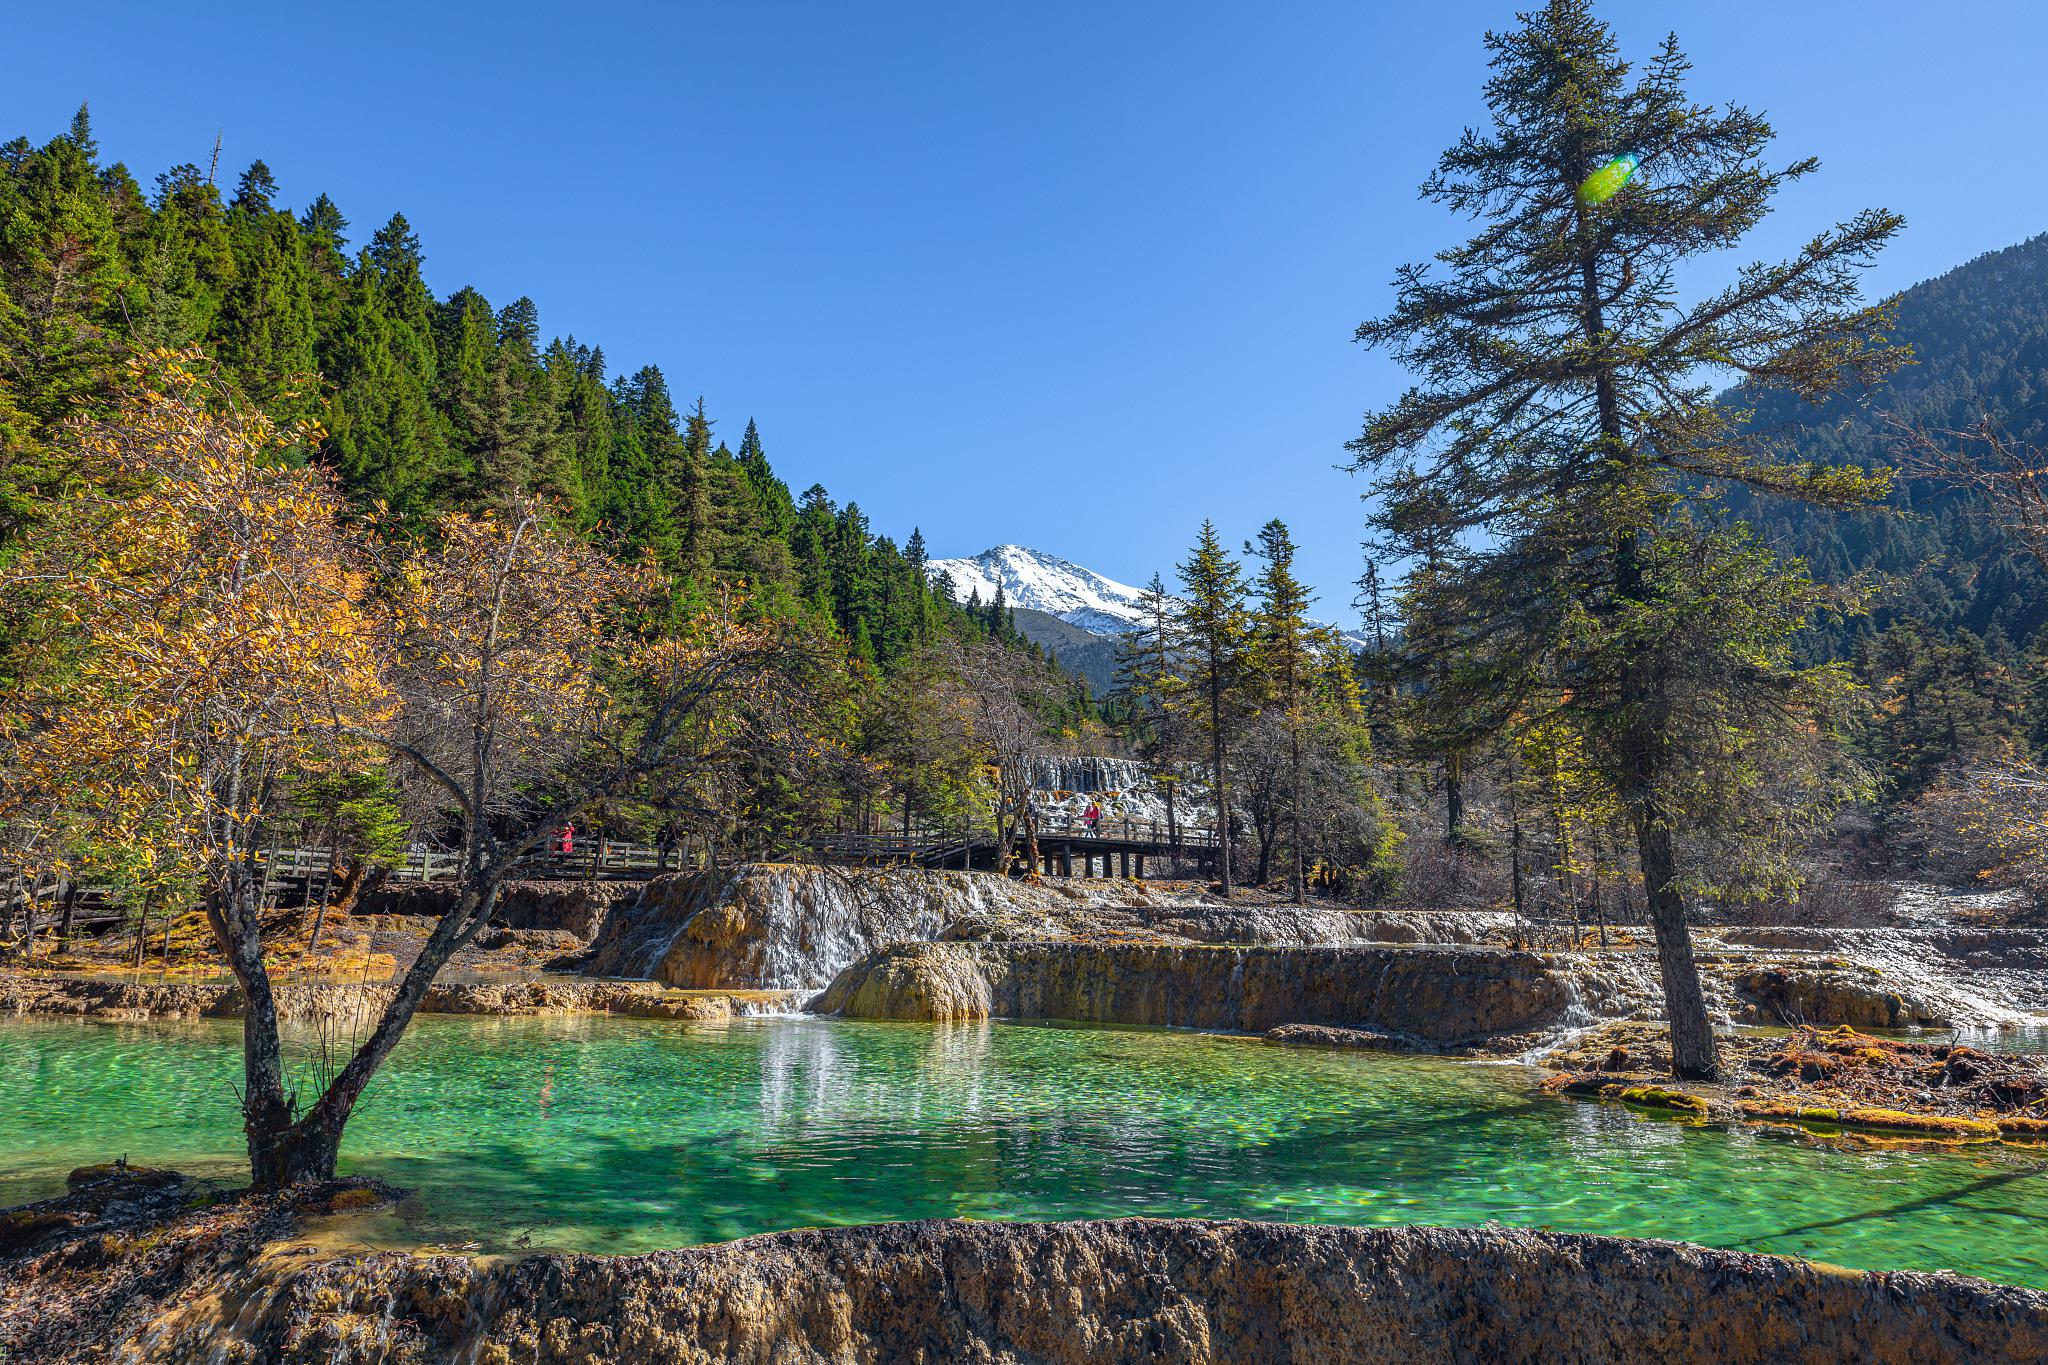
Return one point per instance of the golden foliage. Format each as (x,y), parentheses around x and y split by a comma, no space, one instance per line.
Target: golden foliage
(214,614)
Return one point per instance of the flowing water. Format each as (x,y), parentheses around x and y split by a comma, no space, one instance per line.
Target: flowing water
(625,1135)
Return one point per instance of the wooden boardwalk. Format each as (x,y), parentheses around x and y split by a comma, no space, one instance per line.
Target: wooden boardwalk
(1115,848)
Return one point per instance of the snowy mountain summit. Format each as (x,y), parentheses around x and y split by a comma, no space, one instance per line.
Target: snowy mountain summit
(1042,582)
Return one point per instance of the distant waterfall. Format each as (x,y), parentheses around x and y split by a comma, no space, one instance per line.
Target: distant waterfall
(1094,776)
(1063,786)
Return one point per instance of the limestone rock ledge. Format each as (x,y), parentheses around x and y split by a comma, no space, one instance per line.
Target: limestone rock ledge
(1442,995)
(232,1286)
(129,1001)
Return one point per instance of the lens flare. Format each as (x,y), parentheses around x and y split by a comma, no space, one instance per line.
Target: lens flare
(1606,182)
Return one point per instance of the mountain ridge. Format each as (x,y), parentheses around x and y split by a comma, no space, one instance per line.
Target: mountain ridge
(1042,582)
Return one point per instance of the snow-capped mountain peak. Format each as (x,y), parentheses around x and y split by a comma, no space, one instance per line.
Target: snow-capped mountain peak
(1042,582)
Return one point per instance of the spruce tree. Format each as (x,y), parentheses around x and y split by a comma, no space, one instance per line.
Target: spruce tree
(1211,630)
(266,332)
(1285,646)
(65,283)
(1566,415)
(80,134)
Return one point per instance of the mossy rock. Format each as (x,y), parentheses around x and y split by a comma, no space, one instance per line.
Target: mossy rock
(1641,1091)
(1658,1097)
(1935,1127)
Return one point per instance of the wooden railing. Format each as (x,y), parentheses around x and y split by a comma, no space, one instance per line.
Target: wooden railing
(601,857)
(585,858)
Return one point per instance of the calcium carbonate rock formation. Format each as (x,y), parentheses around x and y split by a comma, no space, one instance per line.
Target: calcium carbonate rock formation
(787,927)
(578,908)
(26,993)
(238,1284)
(1443,995)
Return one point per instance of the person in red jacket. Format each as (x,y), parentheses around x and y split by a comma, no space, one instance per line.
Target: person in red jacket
(567,843)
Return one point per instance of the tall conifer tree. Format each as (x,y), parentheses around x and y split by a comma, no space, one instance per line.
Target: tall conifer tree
(1567,415)
(1212,631)
(1284,649)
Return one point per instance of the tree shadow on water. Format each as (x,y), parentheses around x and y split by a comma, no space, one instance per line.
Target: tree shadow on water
(1948,1198)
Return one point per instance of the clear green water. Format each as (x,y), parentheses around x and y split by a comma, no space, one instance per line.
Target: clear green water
(623,1135)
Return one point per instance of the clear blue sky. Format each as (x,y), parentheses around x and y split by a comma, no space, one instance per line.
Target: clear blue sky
(1074,275)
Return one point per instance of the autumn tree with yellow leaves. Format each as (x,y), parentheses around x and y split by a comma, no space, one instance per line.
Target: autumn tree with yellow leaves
(222,627)
(212,626)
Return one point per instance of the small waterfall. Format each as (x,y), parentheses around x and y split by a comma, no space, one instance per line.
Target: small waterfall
(1578,1020)
(1969,978)
(1093,775)
(774,927)
(1064,785)
(813,924)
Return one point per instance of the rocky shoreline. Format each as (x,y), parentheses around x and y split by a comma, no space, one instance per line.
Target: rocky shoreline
(120,1271)
(53,993)
(1825,1084)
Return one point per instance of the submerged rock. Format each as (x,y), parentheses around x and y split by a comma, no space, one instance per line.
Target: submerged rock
(238,1283)
(1325,1035)
(1443,995)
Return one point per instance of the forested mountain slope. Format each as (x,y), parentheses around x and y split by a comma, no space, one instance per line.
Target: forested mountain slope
(1980,334)
(419,402)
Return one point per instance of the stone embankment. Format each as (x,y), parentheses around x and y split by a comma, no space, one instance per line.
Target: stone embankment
(246,1282)
(1449,996)
(103,998)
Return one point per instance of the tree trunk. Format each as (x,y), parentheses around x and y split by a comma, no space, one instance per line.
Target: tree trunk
(1515,862)
(1222,788)
(64,925)
(284,1152)
(1693,1056)
(1645,759)
(275,1160)
(1454,798)
(1294,819)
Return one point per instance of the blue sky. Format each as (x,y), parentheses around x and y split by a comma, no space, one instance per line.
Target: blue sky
(1070,275)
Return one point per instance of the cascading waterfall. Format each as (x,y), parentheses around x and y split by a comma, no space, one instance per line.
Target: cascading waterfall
(1973,978)
(1063,785)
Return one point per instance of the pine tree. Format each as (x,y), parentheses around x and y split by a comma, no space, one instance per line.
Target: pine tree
(1568,413)
(65,285)
(254,191)
(265,332)
(1283,658)
(772,503)
(1211,628)
(80,134)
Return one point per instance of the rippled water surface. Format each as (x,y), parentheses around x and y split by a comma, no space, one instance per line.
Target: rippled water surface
(626,1135)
